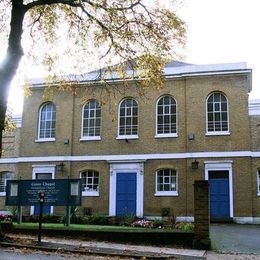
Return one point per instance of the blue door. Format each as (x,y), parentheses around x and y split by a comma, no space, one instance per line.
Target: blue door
(219,195)
(46,209)
(126,194)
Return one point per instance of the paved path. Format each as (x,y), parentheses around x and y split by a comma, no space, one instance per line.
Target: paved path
(235,238)
(115,249)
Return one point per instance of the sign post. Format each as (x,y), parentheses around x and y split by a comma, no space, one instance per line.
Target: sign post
(41,201)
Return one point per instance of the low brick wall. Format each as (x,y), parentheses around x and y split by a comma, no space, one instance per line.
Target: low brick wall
(143,238)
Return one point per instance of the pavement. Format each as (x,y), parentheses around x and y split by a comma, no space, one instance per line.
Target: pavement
(229,241)
(236,238)
(107,248)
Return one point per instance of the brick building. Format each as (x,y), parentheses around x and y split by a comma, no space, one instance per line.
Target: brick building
(141,155)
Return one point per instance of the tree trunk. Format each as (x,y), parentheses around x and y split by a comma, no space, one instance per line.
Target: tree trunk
(10,64)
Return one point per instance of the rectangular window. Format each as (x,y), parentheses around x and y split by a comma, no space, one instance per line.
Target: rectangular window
(166,183)
(4,177)
(90,183)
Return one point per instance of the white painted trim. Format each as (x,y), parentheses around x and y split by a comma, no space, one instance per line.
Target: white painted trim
(127,167)
(258,182)
(166,136)
(247,220)
(166,194)
(42,169)
(222,166)
(131,157)
(123,137)
(90,193)
(217,133)
(2,194)
(90,138)
(184,219)
(43,140)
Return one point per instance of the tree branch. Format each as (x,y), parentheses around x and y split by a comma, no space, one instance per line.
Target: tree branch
(115,8)
(73,3)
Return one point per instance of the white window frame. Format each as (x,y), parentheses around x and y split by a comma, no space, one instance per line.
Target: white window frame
(91,193)
(165,135)
(132,136)
(211,133)
(49,168)
(166,193)
(258,182)
(45,139)
(5,180)
(88,137)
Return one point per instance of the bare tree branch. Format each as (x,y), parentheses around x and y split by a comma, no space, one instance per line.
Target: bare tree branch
(73,3)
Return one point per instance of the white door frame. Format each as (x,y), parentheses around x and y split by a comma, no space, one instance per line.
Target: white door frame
(225,165)
(122,167)
(50,168)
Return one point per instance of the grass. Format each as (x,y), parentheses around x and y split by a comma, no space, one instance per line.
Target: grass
(75,227)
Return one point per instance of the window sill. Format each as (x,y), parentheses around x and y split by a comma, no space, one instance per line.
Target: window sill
(45,140)
(2,194)
(90,138)
(258,194)
(217,133)
(166,136)
(166,193)
(123,137)
(90,194)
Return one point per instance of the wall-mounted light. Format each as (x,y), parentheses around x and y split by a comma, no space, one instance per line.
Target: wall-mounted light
(126,140)
(195,165)
(60,167)
(66,141)
(191,136)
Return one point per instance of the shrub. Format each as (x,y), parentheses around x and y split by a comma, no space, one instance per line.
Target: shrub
(6,218)
(185,226)
(158,223)
(142,223)
(98,219)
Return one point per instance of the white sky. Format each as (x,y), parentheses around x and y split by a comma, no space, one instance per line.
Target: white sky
(219,31)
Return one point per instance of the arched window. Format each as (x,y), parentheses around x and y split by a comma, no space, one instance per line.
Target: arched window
(166,117)
(166,182)
(47,122)
(128,119)
(4,177)
(90,182)
(217,114)
(91,121)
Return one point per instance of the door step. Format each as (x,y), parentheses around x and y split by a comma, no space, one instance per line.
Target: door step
(221,220)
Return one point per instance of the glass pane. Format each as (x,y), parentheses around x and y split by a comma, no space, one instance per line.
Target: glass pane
(173,109)
(217,107)
(210,107)
(224,116)
(166,100)
(210,99)
(160,109)
(166,187)
(216,97)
